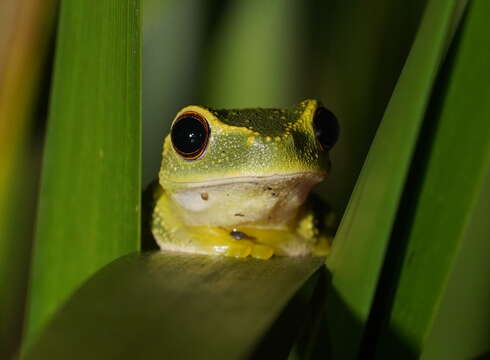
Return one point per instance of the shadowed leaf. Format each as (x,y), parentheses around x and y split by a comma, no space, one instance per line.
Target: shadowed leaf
(170,305)
(359,248)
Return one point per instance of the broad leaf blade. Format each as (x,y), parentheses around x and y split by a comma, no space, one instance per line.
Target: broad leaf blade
(171,305)
(89,203)
(359,248)
(440,305)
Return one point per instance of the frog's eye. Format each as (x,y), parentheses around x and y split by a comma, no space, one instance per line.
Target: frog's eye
(326,128)
(190,135)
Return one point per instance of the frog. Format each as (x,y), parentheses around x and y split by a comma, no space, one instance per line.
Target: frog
(237,182)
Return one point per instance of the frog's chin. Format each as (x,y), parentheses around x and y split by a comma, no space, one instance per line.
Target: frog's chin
(263,201)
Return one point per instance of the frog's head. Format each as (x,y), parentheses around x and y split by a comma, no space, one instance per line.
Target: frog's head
(280,149)
(208,145)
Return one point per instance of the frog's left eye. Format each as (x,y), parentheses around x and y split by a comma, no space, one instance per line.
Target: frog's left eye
(190,135)
(326,128)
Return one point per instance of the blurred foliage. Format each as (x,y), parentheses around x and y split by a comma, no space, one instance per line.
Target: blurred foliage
(89,200)
(25,30)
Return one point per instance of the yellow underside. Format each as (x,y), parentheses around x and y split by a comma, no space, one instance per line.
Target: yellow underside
(171,233)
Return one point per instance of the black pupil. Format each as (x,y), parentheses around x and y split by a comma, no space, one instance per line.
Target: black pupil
(326,128)
(189,135)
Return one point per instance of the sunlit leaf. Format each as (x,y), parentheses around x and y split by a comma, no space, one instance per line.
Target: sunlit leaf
(89,203)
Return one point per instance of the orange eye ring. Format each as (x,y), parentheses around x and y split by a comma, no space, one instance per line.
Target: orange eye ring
(190,135)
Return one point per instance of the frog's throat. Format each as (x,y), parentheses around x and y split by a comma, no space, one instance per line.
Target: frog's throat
(262,201)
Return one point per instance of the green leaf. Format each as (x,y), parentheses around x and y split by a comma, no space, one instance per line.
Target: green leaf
(89,203)
(171,305)
(440,306)
(25,29)
(359,248)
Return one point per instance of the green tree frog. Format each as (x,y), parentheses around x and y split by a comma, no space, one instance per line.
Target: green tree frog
(236,182)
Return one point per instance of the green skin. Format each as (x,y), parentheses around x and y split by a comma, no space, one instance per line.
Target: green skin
(245,195)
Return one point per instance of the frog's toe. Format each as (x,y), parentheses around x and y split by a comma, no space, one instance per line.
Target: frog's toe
(322,248)
(263,252)
(242,249)
(237,250)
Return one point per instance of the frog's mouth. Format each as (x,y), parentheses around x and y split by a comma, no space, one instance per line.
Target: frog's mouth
(306,176)
(270,200)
